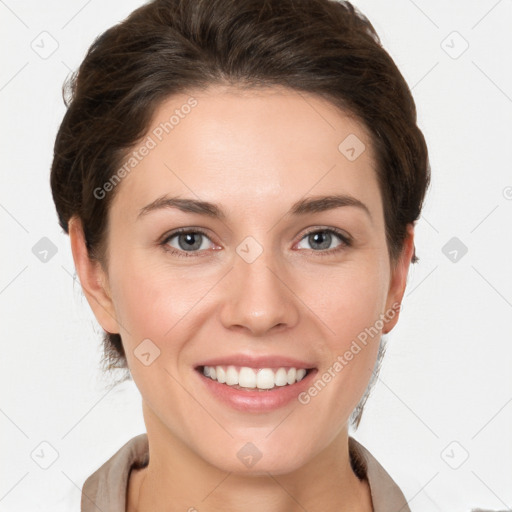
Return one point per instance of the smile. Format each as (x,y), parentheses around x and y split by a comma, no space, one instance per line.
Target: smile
(245,377)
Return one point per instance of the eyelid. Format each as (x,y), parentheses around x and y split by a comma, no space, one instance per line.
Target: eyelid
(178,231)
(342,234)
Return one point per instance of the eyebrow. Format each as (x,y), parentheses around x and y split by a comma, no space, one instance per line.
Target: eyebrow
(313,204)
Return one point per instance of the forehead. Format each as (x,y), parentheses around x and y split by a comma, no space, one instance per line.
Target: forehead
(245,148)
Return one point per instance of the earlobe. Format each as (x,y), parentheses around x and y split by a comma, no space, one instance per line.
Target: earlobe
(93,279)
(398,281)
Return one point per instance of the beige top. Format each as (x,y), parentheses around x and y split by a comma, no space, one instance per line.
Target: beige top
(106,488)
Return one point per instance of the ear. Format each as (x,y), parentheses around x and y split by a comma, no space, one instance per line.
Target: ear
(93,279)
(398,281)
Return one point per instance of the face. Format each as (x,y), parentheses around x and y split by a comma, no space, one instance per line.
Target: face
(260,281)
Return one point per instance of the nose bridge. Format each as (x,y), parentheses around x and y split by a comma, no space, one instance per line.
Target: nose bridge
(257,298)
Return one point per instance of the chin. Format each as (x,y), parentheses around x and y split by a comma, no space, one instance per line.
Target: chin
(254,459)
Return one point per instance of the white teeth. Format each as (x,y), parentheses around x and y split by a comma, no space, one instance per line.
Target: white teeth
(265,379)
(281,377)
(245,377)
(292,374)
(221,374)
(231,376)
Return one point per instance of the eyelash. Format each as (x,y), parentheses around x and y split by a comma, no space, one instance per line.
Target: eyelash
(345,241)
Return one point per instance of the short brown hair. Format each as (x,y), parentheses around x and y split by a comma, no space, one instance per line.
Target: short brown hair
(165,47)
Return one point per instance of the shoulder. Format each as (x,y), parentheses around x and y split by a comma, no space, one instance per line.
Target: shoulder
(386,495)
(106,488)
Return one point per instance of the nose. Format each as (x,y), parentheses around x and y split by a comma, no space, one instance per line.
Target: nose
(258,297)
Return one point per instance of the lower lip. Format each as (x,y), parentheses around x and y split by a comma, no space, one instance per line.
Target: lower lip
(254,400)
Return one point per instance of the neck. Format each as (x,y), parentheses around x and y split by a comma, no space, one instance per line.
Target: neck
(176,475)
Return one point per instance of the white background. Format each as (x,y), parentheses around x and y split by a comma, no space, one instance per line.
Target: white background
(445,390)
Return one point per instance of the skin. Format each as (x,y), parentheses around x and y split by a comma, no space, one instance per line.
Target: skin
(253,153)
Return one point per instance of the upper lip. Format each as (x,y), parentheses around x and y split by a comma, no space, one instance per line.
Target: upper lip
(267,361)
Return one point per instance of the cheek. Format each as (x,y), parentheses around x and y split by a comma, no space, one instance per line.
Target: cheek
(351,309)
(349,299)
(150,299)
(154,306)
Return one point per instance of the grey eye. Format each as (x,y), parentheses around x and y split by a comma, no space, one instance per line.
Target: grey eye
(321,240)
(190,241)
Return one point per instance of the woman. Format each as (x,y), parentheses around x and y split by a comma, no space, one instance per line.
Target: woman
(240,181)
